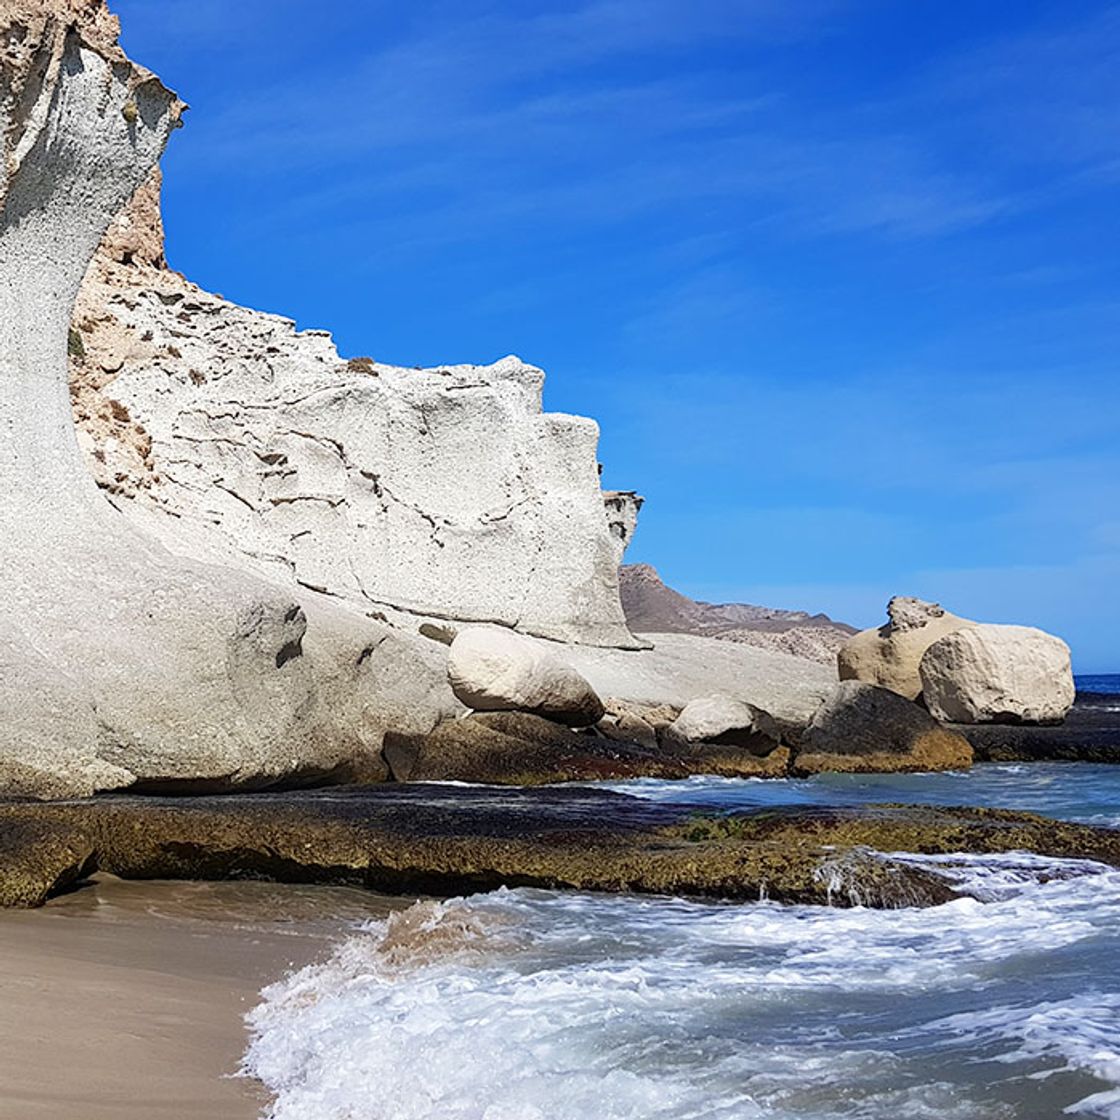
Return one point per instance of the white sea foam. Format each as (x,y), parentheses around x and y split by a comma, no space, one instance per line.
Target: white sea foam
(531,1005)
(1082,1034)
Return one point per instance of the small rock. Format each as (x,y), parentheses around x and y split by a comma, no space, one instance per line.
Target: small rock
(494,670)
(998,674)
(628,722)
(865,729)
(444,634)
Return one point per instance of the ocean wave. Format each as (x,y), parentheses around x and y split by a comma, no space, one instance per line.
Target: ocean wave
(534,1005)
(1081,1034)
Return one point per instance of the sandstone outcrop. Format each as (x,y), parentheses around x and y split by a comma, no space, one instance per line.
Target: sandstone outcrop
(862,728)
(623,507)
(123,662)
(890,656)
(998,674)
(494,670)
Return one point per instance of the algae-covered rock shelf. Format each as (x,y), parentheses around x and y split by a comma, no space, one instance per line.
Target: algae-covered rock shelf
(443,840)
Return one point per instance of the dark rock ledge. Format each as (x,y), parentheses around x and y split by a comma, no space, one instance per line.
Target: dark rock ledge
(445,840)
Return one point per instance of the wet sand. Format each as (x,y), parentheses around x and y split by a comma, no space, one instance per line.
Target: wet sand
(126,1000)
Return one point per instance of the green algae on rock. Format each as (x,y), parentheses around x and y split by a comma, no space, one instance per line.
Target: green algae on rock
(447,840)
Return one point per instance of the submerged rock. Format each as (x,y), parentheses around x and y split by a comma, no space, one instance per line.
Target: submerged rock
(890,655)
(455,840)
(998,674)
(865,729)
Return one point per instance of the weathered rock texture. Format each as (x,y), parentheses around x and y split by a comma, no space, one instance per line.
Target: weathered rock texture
(623,507)
(890,655)
(120,661)
(651,606)
(863,728)
(494,670)
(515,748)
(627,722)
(446,841)
(683,667)
(998,674)
(443,492)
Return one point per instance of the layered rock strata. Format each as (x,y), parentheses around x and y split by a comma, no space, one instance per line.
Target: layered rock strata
(443,492)
(122,662)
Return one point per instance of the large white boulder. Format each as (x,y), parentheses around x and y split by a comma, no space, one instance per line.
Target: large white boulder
(998,674)
(494,670)
(889,656)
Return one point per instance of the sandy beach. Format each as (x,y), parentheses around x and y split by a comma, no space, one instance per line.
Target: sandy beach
(126,1000)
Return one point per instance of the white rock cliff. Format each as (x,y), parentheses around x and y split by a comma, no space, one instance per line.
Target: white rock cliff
(445,493)
(122,662)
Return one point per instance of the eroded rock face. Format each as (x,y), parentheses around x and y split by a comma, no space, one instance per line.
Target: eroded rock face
(494,670)
(862,728)
(890,655)
(122,661)
(444,492)
(998,674)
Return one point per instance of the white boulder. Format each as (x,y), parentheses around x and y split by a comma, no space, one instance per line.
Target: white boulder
(718,719)
(998,674)
(494,670)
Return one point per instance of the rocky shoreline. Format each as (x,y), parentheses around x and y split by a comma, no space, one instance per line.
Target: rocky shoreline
(447,840)
(237,562)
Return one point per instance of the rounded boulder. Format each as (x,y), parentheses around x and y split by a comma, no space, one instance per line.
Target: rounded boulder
(493,670)
(998,674)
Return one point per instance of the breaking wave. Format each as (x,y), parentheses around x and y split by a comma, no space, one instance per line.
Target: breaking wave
(534,1005)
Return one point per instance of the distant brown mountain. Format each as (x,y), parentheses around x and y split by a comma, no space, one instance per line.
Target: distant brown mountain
(652,607)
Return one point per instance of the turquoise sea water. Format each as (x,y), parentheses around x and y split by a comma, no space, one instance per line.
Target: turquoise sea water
(539,1005)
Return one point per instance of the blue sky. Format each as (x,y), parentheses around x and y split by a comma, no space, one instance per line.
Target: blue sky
(839,280)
